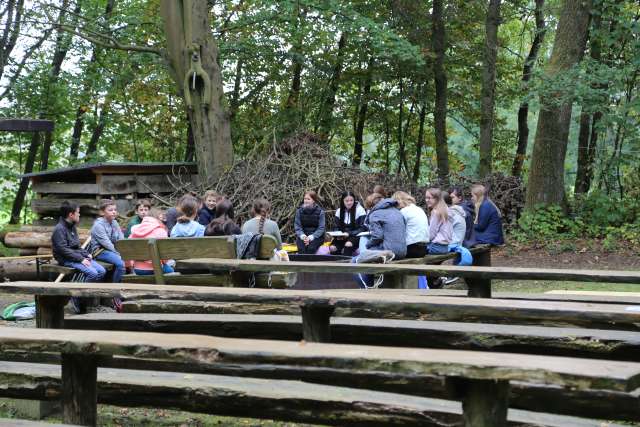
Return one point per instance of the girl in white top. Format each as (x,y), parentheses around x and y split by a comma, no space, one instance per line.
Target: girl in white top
(417,224)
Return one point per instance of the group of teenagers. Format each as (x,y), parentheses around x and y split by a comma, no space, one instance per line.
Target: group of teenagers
(395,224)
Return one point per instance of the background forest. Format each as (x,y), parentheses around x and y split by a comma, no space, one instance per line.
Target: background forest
(429,90)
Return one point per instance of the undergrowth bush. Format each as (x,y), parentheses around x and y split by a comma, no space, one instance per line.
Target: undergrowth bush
(616,221)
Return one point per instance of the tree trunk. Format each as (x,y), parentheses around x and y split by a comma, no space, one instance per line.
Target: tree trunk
(546,177)
(18,202)
(11,31)
(487,96)
(400,118)
(362,115)
(440,78)
(193,51)
(325,120)
(190,151)
(523,111)
(419,143)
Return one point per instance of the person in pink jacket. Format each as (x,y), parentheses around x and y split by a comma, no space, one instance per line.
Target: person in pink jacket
(150,227)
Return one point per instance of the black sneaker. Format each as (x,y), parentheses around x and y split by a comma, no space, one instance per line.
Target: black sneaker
(436,284)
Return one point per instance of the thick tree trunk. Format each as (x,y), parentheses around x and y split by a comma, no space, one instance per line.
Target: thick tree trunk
(362,115)
(487,96)
(440,77)
(11,31)
(523,111)
(400,138)
(18,202)
(190,150)
(326,110)
(546,176)
(419,143)
(194,49)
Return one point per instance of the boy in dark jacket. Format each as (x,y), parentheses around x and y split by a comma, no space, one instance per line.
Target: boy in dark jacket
(66,244)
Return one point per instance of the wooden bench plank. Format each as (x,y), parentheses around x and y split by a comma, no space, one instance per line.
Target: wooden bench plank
(560,371)
(476,272)
(59,269)
(365,304)
(573,342)
(204,307)
(246,397)
(12,422)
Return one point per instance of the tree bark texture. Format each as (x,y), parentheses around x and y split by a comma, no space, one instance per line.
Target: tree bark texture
(523,111)
(440,78)
(487,96)
(18,202)
(11,31)
(362,116)
(419,143)
(193,52)
(546,176)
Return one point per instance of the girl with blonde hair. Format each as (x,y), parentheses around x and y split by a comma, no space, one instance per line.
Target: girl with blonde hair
(440,226)
(487,226)
(417,224)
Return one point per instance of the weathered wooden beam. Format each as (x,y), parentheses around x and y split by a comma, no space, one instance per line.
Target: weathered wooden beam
(316,323)
(571,342)
(480,287)
(498,273)
(484,402)
(564,372)
(50,311)
(26,125)
(79,389)
(64,188)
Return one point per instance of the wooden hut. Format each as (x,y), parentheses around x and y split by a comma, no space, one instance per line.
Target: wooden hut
(87,184)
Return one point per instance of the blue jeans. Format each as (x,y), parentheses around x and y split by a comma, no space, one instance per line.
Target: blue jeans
(94,273)
(165,269)
(437,248)
(118,264)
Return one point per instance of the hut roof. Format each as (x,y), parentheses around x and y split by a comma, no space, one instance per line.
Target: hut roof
(115,168)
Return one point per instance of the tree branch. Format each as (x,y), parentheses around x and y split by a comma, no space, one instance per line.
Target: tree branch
(110,42)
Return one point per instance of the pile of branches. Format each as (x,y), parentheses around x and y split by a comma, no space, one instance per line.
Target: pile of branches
(282,172)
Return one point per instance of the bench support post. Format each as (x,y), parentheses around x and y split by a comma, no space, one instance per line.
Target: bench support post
(50,311)
(484,402)
(316,323)
(79,389)
(480,288)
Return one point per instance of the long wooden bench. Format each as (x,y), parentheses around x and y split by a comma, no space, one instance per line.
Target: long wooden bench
(479,379)
(317,307)
(69,271)
(573,342)
(221,247)
(283,400)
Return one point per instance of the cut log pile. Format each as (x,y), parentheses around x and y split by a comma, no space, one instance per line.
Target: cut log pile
(35,240)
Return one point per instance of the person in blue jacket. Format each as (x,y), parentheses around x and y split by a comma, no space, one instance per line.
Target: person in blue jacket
(487,226)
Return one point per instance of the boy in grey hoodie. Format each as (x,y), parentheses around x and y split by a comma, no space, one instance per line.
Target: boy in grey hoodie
(104,234)
(388,228)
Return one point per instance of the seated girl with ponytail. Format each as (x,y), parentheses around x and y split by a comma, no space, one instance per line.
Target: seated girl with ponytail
(187,226)
(260,223)
(349,219)
(223,224)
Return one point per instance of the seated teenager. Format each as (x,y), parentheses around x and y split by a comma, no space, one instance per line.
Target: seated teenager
(440,226)
(150,227)
(458,217)
(207,212)
(487,226)
(104,234)
(171,215)
(66,247)
(223,224)
(260,223)
(309,224)
(186,225)
(349,219)
(387,227)
(417,224)
(142,207)
(457,199)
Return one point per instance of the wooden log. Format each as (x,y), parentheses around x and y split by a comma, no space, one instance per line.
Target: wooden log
(50,311)
(570,342)
(37,228)
(32,239)
(315,323)
(290,401)
(44,251)
(563,372)
(484,402)
(27,251)
(204,307)
(498,273)
(79,389)
(143,184)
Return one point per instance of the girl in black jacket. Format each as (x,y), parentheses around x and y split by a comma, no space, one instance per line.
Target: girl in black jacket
(349,219)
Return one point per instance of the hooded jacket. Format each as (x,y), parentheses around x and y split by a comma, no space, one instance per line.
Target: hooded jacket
(187,229)
(388,228)
(206,215)
(470,210)
(65,243)
(104,235)
(488,227)
(149,228)
(458,217)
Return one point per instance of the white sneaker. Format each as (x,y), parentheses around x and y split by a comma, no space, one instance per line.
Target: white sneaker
(450,280)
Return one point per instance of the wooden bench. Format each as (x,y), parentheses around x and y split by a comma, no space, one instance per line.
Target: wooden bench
(69,271)
(221,247)
(572,342)
(282,400)
(480,380)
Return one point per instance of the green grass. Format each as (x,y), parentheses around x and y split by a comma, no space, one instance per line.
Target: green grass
(538,286)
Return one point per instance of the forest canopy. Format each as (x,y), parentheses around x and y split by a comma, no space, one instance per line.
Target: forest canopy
(545,90)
